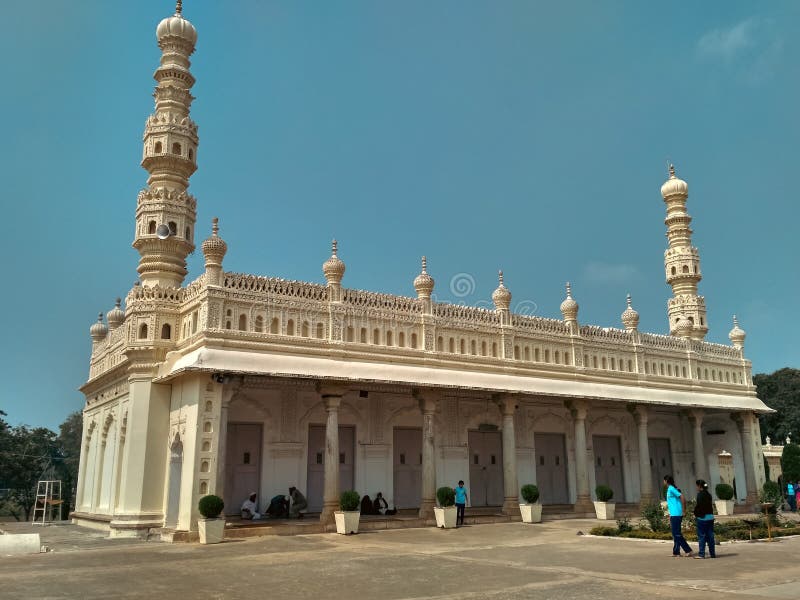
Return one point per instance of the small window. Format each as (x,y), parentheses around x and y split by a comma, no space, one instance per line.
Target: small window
(461,346)
(414,340)
(203,488)
(389,338)
(275,326)
(613,461)
(191,154)
(402,459)
(351,334)
(259,326)
(166,331)
(341,458)
(176,148)
(483,348)
(305,330)
(451,346)
(173,228)
(494,349)
(547,356)
(376,336)
(605,363)
(290,327)
(320,330)
(527,353)
(599,462)
(494,459)
(541,461)
(558,460)
(242,322)
(557,358)
(159,148)
(401,339)
(685,268)
(473,348)
(143,331)
(188,234)
(475,459)
(319,458)
(151,227)
(674,270)
(363,335)
(440,344)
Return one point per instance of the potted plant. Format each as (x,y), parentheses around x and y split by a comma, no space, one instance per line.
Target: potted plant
(446,511)
(347,519)
(531,510)
(211,527)
(602,507)
(724,502)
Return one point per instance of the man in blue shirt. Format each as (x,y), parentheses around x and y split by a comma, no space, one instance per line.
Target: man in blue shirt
(790,497)
(461,502)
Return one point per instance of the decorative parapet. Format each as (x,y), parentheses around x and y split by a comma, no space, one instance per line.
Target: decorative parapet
(275,286)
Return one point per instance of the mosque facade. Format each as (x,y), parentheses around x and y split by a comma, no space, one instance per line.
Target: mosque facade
(232,382)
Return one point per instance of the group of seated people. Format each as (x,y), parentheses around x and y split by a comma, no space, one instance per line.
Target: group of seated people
(280,506)
(377,507)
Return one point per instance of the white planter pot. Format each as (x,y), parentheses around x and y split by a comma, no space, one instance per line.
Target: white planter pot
(531,513)
(347,521)
(445,517)
(724,507)
(212,531)
(604,510)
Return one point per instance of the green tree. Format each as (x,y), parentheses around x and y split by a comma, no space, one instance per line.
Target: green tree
(781,391)
(30,457)
(69,450)
(790,462)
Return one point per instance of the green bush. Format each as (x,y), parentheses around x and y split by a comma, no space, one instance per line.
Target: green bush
(624,525)
(655,517)
(771,493)
(645,534)
(210,506)
(724,491)
(603,493)
(349,500)
(446,496)
(604,531)
(530,493)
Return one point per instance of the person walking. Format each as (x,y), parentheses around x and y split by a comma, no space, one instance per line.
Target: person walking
(461,502)
(704,512)
(676,504)
(791,497)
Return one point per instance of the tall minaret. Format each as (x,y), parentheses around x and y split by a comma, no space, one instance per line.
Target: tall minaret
(682,263)
(165,212)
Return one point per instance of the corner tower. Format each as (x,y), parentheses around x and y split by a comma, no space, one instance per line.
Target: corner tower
(682,263)
(165,212)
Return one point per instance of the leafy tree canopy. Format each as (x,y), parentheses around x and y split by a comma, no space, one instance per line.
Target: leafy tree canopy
(781,391)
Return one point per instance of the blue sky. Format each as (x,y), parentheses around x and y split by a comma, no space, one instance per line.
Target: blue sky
(527,136)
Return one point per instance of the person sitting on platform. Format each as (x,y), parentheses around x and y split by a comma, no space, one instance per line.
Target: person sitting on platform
(367,507)
(278,507)
(299,503)
(250,508)
(380,506)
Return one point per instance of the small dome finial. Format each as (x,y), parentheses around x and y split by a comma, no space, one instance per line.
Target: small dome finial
(333,268)
(629,317)
(214,248)
(737,335)
(178,8)
(501,296)
(423,282)
(569,307)
(116,316)
(671,171)
(215,226)
(98,330)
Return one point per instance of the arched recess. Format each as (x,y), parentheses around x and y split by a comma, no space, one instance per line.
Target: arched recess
(105,475)
(172,512)
(88,470)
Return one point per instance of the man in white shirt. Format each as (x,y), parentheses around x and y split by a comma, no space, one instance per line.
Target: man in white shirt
(250,508)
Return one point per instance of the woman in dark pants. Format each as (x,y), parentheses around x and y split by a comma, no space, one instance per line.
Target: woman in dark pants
(676,504)
(704,511)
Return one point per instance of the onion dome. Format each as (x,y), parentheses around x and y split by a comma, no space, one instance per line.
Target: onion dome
(214,248)
(674,186)
(423,282)
(737,334)
(630,318)
(501,296)
(569,308)
(684,327)
(333,268)
(177,26)
(116,316)
(98,330)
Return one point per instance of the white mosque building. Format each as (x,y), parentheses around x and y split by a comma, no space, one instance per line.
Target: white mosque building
(234,382)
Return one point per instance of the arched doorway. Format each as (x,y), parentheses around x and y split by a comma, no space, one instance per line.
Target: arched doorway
(174,489)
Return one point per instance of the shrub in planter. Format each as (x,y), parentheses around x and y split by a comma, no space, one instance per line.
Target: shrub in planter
(603,493)
(349,501)
(446,496)
(210,506)
(724,491)
(771,493)
(530,493)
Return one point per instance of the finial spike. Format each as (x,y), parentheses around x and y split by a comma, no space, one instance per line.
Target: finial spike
(569,290)
(178,8)
(500,276)
(118,302)
(100,317)
(214,226)
(629,300)
(424,264)
(671,171)
(334,247)
(735,321)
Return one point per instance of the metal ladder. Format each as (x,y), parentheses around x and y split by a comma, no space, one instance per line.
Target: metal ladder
(48,499)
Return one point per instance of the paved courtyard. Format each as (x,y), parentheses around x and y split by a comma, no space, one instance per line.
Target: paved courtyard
(500,561)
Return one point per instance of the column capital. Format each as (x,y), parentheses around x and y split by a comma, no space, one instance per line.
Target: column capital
(331,389)
(579,409)
(507,403)
(639,412)
(428,399)
(743,420)
(696,415)
(230,389)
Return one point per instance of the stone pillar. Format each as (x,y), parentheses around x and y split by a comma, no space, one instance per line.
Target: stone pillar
(645,481)
(332,398)
(583,502)
(222,442)
(508,406)
(744,421)
(427,404)
(700,466)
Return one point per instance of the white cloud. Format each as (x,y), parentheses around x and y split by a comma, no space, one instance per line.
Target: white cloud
(728,42)
(599,272)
